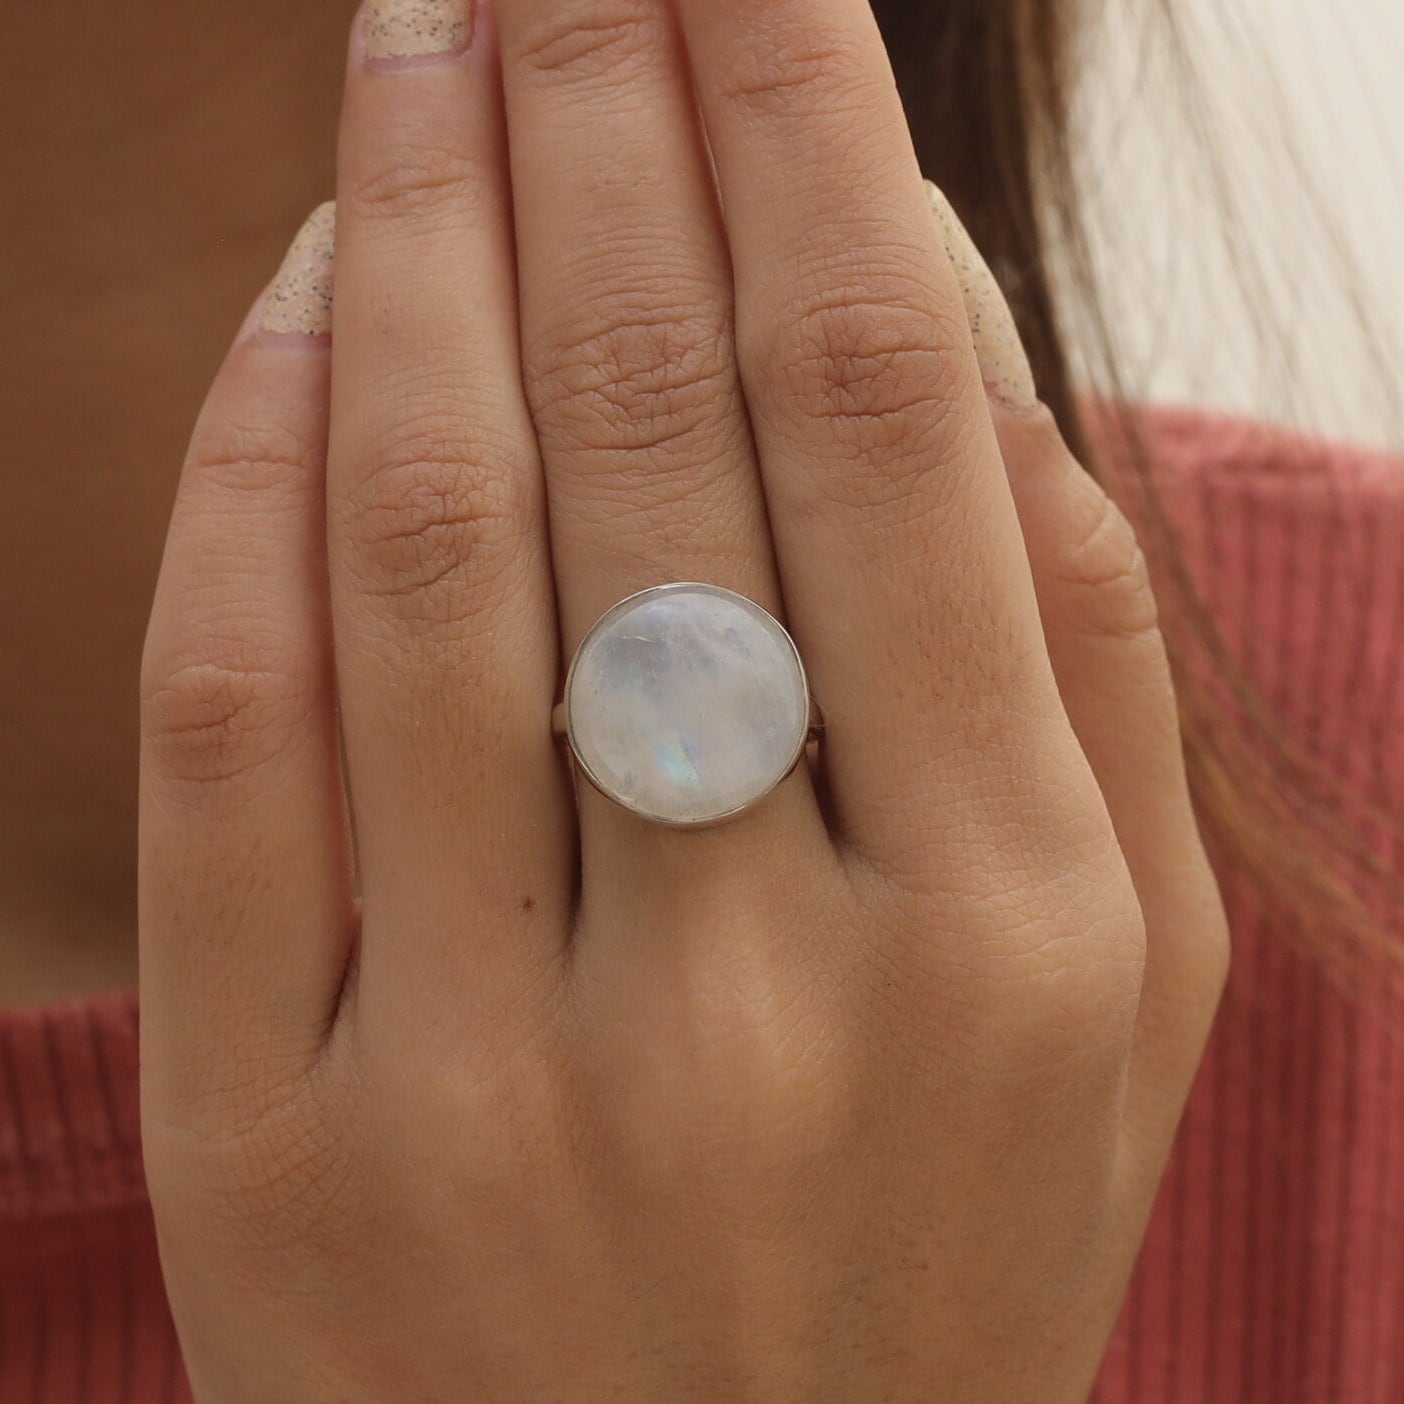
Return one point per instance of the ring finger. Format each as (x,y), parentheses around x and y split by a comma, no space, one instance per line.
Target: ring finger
(897,538)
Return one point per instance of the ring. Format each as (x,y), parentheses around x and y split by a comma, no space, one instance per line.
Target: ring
(687,704)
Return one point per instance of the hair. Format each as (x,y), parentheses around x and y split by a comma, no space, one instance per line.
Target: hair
(987,89)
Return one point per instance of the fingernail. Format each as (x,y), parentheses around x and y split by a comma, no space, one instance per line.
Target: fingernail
(1004,363)
(299,299)
(398,32)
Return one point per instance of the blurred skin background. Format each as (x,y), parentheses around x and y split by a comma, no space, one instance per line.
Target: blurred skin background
(146,204)
(151,216)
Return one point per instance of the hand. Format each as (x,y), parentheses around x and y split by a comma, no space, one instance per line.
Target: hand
(862,1097)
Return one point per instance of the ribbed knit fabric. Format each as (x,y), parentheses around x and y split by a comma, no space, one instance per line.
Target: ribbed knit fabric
(1273,1272)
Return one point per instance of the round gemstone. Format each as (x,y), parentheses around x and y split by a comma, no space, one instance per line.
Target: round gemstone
(687,703)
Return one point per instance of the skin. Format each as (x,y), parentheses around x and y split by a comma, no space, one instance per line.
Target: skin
(864,1096)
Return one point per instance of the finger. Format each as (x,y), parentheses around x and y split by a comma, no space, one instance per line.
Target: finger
(246,897)
(1101,625)
(441,591)
(628,353)
(900,556)
(1100,619)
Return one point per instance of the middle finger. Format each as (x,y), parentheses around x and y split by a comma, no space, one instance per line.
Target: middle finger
(627,342)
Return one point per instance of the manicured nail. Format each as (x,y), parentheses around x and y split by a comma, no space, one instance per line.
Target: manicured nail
(299,299)
(422,30)
(1003,361)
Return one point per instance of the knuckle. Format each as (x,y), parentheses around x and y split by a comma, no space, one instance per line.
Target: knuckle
(433,537)
(420,174)
(1037,948)
(879,377)
(789,76)
(582,40)
(1060,1014)
(1103,565)
(524,1136)
(1079,984)
(862,357)
(777,1087)
(1075,963)
(223,708)
(648,384)
(252,459)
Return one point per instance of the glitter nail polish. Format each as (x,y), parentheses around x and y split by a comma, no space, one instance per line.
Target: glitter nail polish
(299,300)
(417,29)
(1004,363)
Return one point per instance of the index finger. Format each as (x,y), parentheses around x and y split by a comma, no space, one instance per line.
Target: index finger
(902,563)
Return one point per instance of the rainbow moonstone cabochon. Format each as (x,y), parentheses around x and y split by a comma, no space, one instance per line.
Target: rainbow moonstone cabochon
(687,703)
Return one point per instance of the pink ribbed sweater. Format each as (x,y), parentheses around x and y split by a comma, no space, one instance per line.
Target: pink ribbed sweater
(1273,1272)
